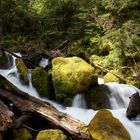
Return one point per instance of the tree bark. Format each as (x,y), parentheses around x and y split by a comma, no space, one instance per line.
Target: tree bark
(27,103)
(5,117)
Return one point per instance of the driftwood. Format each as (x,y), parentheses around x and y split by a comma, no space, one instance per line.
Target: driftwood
(5,117)
(27,103)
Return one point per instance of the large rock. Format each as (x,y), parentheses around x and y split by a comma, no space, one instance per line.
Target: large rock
(110,77)
(22,70)
(22,134)
(106,127)
(3,61)
(51,135)
(71,75)
(134,106)
(40,81)
(97,97)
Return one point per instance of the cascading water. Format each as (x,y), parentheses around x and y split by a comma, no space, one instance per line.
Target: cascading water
(79,101)
(118,97)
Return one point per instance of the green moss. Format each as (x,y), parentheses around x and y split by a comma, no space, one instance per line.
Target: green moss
(110,77)
(22,134)
(40,81)
(22,70)
(51,135)
(97,97)
(3,61)
(106,127)
(71,75)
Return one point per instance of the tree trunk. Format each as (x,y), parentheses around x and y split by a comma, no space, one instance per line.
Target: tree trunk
(5,117)
(27,103)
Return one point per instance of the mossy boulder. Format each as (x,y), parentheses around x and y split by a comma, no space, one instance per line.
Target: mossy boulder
(22,134)
(106,127)
(110,77)
(3,61)
(40,81)
(22,70)
(97,97)
(70,76)
(51,135)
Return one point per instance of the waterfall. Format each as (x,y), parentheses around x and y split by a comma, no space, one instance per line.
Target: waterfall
(119,98)
(43,63)
(79,101)
(120,93)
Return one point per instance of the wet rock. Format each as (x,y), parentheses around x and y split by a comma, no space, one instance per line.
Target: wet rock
(97,97)
(22,134)
(51,135)
(134,106)
(106,127)
(40,81)
(70,76)
(22,70)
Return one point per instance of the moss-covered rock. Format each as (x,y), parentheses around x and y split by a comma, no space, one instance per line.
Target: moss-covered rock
(22,134)
(106,127)
(40,81)
(22,70)
(70,76)
(51,135)
(3,61)
(97,97)
(110,77)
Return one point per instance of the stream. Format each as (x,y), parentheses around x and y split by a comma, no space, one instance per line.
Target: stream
(119,99)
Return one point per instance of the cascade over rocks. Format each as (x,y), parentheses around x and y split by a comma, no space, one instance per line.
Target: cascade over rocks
(70,76)
(106,127)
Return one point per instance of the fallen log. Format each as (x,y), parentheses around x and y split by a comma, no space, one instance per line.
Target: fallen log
(5,117)
(26,103)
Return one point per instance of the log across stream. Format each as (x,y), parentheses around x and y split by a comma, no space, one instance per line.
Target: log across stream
(85,115)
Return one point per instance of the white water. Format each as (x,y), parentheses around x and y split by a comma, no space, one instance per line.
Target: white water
(119,98)
(79,101)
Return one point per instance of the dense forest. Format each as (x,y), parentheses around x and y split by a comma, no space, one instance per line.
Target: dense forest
(104,35)
(107,30)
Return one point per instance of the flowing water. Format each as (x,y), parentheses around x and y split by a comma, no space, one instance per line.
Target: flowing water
(119,99)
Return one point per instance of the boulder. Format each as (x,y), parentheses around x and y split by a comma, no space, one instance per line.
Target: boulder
(40,81)
(134,106)
(3,61)
(22,134)
(106,127)
(70,76)
(22,70)
(51,135)
(97,97)
(110,77)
